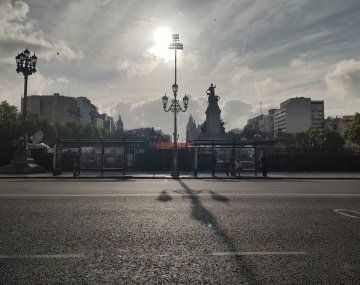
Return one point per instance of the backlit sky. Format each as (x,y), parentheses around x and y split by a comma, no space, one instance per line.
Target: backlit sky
(115,53)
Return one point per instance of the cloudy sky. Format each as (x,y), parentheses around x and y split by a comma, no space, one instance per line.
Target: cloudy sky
(115,53)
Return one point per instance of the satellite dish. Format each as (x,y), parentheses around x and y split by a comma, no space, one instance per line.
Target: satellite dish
(37,137)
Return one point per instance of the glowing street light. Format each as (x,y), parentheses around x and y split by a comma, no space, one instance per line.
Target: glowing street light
(175,106)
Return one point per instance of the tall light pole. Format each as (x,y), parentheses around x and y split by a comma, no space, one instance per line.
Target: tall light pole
(175,106)
(26,65)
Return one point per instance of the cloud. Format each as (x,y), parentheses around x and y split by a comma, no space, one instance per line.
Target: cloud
(150,114)
(344,80)
(138,68)
(235,114)
(253,50)
(16,32)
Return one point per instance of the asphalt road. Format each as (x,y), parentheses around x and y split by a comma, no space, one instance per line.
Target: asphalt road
(179,232)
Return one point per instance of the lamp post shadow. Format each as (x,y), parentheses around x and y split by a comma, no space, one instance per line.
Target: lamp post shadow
(205,217)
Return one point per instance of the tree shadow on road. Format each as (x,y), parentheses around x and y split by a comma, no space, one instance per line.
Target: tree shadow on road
(200,213)
(164,196)
(218,197)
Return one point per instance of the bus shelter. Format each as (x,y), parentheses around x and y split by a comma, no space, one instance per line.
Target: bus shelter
(228,148)
(96,154)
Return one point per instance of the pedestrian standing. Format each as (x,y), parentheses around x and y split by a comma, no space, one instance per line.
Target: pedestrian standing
(226,166)
(213,164)
(76,166)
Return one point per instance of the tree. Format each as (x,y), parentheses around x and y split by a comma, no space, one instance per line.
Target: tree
(352,133)
(10,125)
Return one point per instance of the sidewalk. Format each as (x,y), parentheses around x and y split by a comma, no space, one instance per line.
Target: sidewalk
(188,175)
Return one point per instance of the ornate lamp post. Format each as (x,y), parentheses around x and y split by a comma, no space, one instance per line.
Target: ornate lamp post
(26,65)
(175,106)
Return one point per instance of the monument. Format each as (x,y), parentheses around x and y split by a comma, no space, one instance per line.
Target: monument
(213,127)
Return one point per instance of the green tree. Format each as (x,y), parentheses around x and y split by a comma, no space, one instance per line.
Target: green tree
(10,124)
(36,123)
(352,133)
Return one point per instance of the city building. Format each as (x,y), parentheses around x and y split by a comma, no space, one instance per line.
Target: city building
(109,124)
(106,122)
(298,115)
(262,123)
(54,108)
(63,109)
(119,128)
(85,110)
(192,130)
(339,125)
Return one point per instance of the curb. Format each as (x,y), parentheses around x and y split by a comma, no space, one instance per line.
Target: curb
(128,177)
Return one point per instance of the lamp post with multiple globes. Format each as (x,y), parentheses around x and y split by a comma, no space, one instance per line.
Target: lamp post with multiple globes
(175,106)
(26,64)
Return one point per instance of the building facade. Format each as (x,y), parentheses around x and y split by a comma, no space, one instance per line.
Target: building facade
(54,108)
(192,130)
(62,109)
(339,125)
(298,115)
(85,110)
(262,123)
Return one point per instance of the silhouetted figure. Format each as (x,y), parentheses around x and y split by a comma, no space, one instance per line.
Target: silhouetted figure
(238,167)
(233,170)
(264,166)
(226,166)
(76,166)
(213,164)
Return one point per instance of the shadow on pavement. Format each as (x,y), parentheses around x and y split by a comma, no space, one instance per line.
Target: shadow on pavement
(200,213)
(164,196)
(218,197)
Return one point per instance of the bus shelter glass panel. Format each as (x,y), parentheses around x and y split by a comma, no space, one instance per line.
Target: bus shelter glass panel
(130,157)
(114,157)
(90,158)
(67,155)
(245,158)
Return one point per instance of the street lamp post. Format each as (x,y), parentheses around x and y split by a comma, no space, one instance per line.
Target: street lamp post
(175,106)
(26,65)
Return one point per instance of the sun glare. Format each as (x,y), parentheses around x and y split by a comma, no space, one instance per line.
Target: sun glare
(162,39)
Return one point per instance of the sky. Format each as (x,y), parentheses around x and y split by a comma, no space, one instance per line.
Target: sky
(115,53)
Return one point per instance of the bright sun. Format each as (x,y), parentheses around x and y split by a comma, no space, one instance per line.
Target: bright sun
(162,38)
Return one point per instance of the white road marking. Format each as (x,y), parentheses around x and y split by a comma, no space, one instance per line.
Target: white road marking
(185,194)
(243,253)
(348,213)
(36,256)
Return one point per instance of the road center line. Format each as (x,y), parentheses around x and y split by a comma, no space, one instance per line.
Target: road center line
(185,194)
(244,253)
(348,213)
(39,256)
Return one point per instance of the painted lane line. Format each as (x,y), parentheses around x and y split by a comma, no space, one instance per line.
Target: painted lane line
(348,213)
(185,195)
(36,256)
(244,253)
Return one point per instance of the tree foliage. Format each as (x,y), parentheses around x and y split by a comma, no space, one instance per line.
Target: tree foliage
(10,129)
(352,133)
(9,124)
(313,139)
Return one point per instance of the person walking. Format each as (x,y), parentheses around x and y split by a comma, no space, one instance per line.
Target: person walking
(76,166)
(226,166)
(213,164)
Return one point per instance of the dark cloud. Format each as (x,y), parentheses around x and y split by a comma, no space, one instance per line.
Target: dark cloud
(255,51)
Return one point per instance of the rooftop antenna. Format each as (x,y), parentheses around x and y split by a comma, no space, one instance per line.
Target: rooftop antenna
(261,111)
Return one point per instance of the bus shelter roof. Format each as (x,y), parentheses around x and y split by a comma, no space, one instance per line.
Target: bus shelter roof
(99,141)
(232,143)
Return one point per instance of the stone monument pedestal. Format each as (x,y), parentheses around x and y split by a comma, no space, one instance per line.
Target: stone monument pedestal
(22,163)
(22,166)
